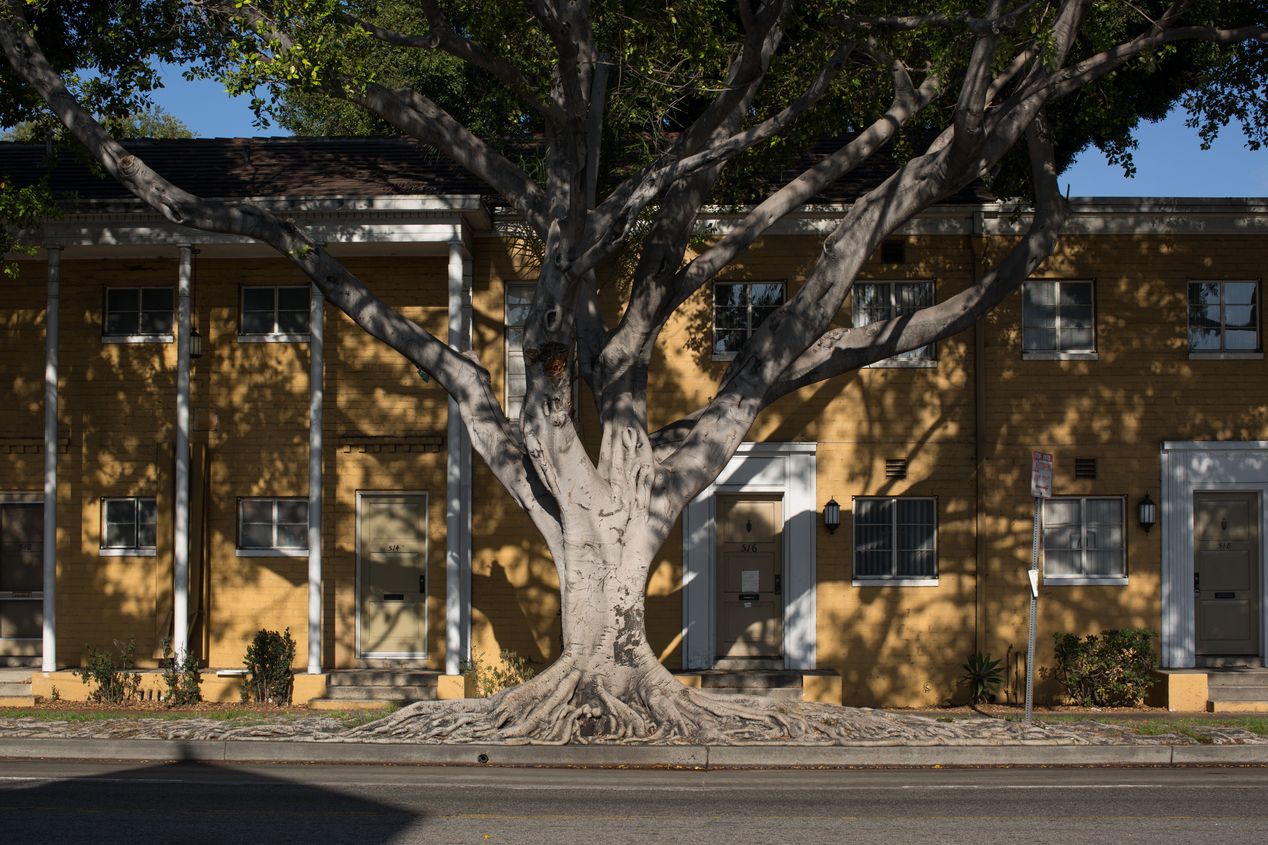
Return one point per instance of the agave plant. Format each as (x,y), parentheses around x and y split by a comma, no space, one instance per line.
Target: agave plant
(982,676)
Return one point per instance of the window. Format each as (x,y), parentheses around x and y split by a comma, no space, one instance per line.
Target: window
(1058,319)
(138,314)
(875,302)
(518,300)
(1083,540)
(738,309)
(128,525)
(275,313)
(1224,317)
(272,526)
(894,540)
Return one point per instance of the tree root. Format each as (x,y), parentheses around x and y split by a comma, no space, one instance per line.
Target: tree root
(567,705)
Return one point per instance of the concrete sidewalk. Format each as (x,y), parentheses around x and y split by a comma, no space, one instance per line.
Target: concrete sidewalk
(702,757)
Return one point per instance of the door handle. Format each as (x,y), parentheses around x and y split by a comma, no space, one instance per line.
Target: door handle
(779,583)
(1196,583)
(422,583)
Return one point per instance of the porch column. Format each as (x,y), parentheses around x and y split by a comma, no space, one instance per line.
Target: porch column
(180,553)
(316,349)
(48,660)
(458,494)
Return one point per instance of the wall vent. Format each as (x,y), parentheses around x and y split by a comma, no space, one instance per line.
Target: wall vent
(1085,468)
(893,251)
(895,467)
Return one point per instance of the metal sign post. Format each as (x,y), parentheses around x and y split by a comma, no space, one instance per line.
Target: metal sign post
(1040,488)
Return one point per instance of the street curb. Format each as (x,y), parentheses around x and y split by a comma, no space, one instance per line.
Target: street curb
(698,757)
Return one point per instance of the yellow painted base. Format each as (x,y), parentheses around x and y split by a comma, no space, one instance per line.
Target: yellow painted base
(450,687)
(823,689)
(688,680)
(1180,691)
(329,704)
(214,688)
(17,700)
(1237,706)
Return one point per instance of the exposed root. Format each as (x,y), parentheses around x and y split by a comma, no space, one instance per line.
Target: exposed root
(566,705)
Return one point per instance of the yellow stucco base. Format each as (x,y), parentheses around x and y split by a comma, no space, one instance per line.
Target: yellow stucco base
(215,688)
(1180,690)
(824,689)
(449,687)
(349,704)
(1237,707)
(687,679)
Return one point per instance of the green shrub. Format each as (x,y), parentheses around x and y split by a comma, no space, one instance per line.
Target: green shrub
(111,684)
(1112,670)
(982,676)
(182,676)
(490,679)
(268,661)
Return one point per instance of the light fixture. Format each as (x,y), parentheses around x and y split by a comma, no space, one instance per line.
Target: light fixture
(831,515)
(1147,513)
(195,345)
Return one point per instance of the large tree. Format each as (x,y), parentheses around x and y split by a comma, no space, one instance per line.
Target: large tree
(608,130)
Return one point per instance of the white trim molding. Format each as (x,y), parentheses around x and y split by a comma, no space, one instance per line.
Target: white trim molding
(1190,467)
(787,469)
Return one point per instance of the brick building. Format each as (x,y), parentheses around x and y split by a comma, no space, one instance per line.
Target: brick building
(330,491)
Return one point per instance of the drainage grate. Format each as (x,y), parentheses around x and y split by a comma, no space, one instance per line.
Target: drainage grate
(895,467)
(1085,468)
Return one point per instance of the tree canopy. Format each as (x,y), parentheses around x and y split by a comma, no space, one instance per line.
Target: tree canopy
(607,129)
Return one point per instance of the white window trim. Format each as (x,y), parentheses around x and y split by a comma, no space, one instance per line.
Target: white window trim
(122,551)
(1053,354)
(269,337)
(1220,354)
(891,580)
(896,363)
(506,350)
(748,312)
(1087,580)
(268,551)
(136,337)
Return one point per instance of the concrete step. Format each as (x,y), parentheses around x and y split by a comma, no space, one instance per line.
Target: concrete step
(12,688)
(750,681)
(1245,693)
(781,693)
(381,677)
(1225,680)
(1237,706)
(414,692)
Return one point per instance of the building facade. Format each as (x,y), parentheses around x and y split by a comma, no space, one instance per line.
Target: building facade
(194,446)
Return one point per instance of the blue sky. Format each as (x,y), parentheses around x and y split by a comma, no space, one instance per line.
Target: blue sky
(1169,161)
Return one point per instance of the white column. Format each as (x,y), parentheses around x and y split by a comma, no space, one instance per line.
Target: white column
(180,553)
(48,662)
(316,336)
(458,471)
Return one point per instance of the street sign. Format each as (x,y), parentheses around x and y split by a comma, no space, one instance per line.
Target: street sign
(1041,475)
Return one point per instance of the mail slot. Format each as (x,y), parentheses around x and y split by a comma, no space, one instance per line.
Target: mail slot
(750,596)
(1220,595)
(393,597)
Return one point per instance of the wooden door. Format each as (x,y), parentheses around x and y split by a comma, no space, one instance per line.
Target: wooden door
(21,577)
(1226,573)
(750,569)
(392,548)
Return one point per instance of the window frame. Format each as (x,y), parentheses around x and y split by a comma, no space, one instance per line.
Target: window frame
(138,336)
(1222,354)
(892,580)
(898,361)
(748,312)
(274,336)
(273,550)
(1058,354)
(136,549)
(1083,579)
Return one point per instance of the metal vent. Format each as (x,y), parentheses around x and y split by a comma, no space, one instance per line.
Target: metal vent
(895,467)
(1085,468)
(893,251)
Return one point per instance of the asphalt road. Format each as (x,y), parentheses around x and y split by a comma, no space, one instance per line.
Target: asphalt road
(58,802)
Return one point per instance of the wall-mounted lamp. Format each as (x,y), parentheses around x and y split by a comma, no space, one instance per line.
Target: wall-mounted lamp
(831,515)
(1146,513)
(195,345)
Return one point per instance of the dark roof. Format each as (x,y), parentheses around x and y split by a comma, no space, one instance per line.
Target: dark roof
(262,167)
(329,167)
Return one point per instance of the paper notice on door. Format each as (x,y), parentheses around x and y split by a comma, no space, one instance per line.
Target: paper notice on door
(749,580)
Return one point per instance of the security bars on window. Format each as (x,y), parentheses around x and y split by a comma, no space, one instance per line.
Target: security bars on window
(895,538)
